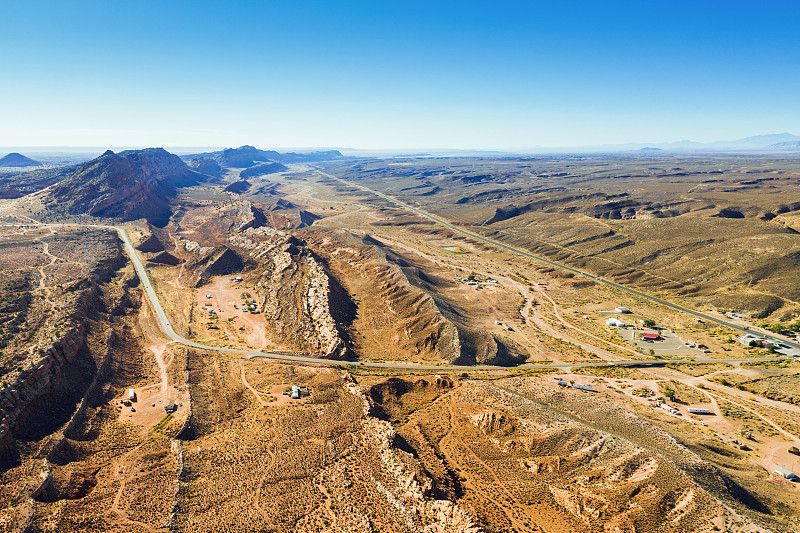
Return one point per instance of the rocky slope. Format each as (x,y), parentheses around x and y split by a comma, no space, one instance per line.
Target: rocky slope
(130,185)
(519,456)
(303,303)
(19,184)
(399,316)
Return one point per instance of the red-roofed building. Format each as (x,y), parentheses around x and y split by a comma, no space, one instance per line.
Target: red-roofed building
(651,336)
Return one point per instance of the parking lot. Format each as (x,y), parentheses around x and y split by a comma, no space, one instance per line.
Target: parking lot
(670,344)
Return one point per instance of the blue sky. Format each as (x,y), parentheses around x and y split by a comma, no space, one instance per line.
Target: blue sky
(378,74)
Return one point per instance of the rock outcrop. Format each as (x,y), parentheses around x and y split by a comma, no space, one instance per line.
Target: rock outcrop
(151,244)
(307,218)
(16,397)
(262,170)
(222,262)
(251,217)
(165,258)
(238,187)
(298,296)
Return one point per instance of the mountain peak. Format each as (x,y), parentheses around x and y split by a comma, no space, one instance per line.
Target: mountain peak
(15,159)
(129,185)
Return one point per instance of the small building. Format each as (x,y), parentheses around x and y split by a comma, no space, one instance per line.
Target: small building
(669,409)
(700,411)
(587,388)
(651,337)
(131,395)
(615,323)
(623,310)
(785,472)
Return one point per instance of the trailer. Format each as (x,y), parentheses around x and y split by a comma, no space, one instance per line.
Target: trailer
(670,409)
(131,395)
(700,411)
(785,472)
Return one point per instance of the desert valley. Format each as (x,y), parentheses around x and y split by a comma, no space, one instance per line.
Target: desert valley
(250,340)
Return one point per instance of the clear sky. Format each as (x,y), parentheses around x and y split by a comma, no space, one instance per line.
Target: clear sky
(396,74)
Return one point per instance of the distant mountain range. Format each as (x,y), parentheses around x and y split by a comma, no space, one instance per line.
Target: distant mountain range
(786,145)
(247,156)
(772,141)
(15,159)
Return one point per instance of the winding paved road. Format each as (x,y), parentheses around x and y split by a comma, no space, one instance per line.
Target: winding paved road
(168,329)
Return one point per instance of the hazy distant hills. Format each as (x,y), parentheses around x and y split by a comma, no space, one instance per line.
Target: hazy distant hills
(15,159)
(786,145)
(247,156)
(756,142)
(136,184)
(129,185)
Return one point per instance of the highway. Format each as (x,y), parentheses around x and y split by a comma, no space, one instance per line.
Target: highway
(666,303)
(166,325)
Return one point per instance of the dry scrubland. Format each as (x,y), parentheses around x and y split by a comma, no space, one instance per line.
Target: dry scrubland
(335,272)
(45,275)
(716,230)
